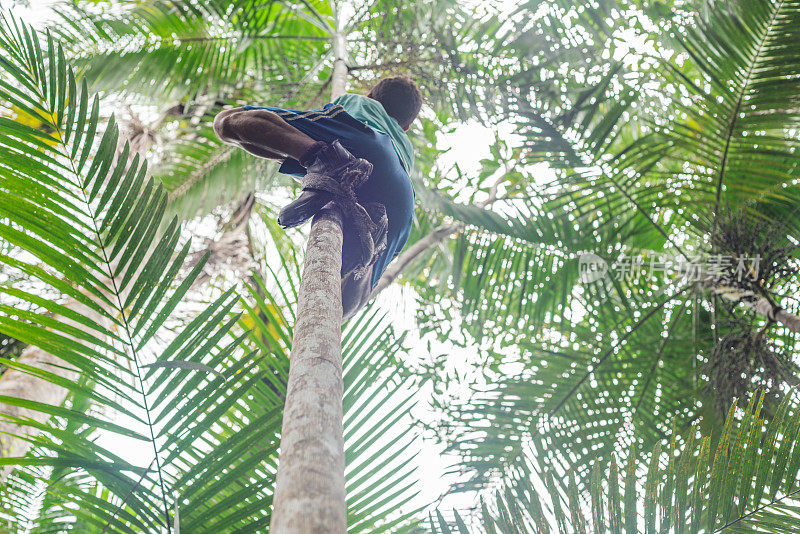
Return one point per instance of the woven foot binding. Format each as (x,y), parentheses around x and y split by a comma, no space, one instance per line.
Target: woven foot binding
(333,176)
(357,253)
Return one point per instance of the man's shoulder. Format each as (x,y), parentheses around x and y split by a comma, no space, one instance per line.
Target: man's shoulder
(362,106)
(348,98)
(372,113)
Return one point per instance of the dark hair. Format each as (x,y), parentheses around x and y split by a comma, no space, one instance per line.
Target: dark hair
(400,97)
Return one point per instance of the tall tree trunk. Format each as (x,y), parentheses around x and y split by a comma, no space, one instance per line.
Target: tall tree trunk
(339,76)
(309,492)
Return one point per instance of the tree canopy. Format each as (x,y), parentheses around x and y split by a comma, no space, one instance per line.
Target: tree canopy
(148,293)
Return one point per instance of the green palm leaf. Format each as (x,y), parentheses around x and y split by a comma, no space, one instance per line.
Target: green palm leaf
(94,238)
(628,180)
(190,50)
(703,486)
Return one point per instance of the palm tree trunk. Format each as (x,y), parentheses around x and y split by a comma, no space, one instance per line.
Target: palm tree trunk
(759,304)
(309,492)
(339,76)
(20,385)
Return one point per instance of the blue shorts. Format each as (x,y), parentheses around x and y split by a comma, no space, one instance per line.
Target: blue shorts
(388,184)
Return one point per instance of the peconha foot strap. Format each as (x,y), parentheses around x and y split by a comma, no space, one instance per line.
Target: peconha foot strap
(334,175)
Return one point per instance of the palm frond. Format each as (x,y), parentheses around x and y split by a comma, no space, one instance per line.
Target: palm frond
(176,50)
(201,173)
(94,238)
(744,479)
(744,100)
(613,372)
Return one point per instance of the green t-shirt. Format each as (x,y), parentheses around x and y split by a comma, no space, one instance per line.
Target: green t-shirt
(372,113)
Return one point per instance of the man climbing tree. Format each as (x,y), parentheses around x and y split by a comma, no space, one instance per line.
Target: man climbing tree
(356,140)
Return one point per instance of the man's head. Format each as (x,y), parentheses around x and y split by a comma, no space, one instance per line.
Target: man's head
(400,97)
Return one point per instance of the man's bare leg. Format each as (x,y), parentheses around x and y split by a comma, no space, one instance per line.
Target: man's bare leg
(262,133)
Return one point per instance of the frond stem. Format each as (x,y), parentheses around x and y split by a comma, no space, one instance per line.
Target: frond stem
(737,107)
(658,358)
(756,510)
(126,325)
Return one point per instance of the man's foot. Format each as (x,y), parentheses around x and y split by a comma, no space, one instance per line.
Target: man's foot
(328,164)
(306,206)
(354,254)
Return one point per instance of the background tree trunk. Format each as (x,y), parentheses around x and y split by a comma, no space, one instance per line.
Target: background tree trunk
(758,304)
(339,76)
(19,384)
(309,492)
